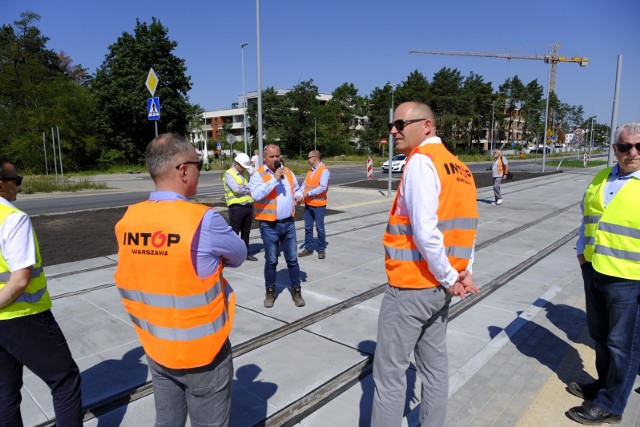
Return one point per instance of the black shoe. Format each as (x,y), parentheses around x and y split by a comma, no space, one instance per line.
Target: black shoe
(251,258)
(305,252)
(270,297)
(320,254)
(590,414)
(583,391)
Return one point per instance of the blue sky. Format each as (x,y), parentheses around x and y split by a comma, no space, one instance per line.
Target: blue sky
(365,42)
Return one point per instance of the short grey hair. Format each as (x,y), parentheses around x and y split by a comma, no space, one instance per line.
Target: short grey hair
(632,128)
(162,151)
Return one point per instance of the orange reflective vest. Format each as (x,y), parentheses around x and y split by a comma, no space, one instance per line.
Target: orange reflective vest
(266,208)
(457,221)
(311,182)
(182,320)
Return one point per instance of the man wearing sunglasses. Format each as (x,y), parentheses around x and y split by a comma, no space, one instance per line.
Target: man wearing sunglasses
(171,255)
(608,250)
(428,255)
(29,334)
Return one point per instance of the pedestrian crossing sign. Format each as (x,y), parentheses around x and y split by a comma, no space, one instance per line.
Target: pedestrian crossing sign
(153,108)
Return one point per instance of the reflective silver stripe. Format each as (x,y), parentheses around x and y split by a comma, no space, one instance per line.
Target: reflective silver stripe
(181,334)
(459,252)
(619,229)
(400,230)
(592,219)
(415,255)
(31,298)
(459,223)
(36,272)
(589,240)
(403,254)
(617,253)
(265,210)
(172,301)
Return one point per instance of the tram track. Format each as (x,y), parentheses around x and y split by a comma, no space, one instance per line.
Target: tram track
(301,408)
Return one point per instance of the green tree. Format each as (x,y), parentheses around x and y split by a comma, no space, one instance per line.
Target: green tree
(299,131)
(415,88)
(378,104)
(533,111)
(341,120)
(38,90)
(275,113)
(121,95)
(449,106)
(479,95)
(514,93)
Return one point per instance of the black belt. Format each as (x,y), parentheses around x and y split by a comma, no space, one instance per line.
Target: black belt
(241,204)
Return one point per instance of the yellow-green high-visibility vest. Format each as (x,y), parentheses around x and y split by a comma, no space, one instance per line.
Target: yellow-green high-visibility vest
(612,235)
(232,198)
(35,298)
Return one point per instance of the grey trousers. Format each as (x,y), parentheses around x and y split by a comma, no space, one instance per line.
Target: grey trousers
(496,188)
(204,393)
(411,319)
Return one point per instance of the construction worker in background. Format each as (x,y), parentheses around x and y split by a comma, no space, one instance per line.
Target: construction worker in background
(29,334)
(170,261)
(314,190)
(237,194)
(499,171)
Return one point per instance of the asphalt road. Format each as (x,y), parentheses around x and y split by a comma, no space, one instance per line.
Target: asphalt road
(129,189)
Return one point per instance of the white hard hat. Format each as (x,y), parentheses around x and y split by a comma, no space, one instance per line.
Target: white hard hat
(243,160)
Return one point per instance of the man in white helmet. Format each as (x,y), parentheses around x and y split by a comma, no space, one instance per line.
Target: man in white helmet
(238,197)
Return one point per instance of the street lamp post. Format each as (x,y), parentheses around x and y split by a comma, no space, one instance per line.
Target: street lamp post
(259,88)
(390,142)
(493,128)
(244,99)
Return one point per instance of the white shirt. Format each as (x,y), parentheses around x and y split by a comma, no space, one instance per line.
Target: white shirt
(16,239)
(285,206)
(419,201)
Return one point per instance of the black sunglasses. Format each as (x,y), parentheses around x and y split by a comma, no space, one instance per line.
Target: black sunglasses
(400,124)
(623,148)
(17,179)
(198,164)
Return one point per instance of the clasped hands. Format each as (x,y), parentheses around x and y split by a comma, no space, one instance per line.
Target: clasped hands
(463,285)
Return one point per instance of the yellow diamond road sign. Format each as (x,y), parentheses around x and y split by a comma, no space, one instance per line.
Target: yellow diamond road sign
(152,81)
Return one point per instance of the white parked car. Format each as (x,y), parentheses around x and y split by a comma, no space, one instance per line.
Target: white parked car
(397,164)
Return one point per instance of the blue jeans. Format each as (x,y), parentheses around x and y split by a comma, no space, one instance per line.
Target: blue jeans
(613,318)
(204,393)
(273,234)
(311,214)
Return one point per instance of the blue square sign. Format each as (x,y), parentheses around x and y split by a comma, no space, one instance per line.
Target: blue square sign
(153,108)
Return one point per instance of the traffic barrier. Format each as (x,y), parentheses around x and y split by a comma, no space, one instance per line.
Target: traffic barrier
(369,168)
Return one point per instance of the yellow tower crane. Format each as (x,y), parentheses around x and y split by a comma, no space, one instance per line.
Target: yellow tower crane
(551,57)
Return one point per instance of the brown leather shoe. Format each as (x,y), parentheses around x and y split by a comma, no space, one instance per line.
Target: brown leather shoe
(270,297)
(305,252)
(320,254)
(296,295)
